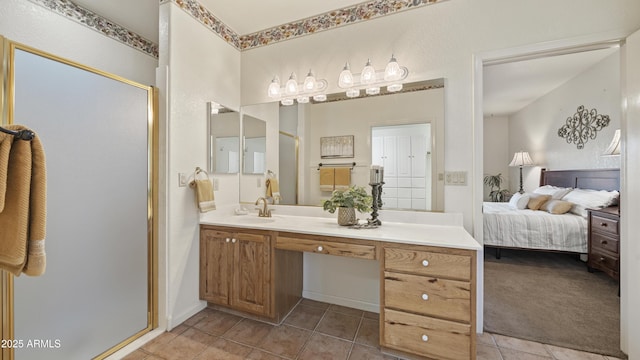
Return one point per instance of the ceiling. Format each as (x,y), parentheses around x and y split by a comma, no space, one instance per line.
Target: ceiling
(511,86)
(508,87)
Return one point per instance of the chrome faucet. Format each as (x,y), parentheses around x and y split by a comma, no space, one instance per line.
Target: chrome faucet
(264,212)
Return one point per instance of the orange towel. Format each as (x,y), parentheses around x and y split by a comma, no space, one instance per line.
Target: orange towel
(327,176)
(23,218)
(343,178)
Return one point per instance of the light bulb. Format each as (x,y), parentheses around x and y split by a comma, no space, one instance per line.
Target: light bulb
(303,99)
(309,84)
(353,93)
(345,80)
(320,97)
(291,87)
(368,74)
(394,87)
(392,72)
(287,102)
(373,91)
(274,88)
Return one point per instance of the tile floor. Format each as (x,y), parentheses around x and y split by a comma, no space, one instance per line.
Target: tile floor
(313,330)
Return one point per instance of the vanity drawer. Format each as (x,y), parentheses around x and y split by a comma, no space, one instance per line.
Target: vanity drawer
(604,225)
(425,336)
(327,247)
(449,299)
(428,263)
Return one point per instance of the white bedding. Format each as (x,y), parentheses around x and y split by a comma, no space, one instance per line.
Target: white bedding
(531,229)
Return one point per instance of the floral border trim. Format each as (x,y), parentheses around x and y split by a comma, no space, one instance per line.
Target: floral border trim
(102,25)
(330,20)
(206,18)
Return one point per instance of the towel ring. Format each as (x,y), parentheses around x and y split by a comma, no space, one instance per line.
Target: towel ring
(195,174)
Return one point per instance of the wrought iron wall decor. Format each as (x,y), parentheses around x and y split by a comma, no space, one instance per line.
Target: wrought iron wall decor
(582,126)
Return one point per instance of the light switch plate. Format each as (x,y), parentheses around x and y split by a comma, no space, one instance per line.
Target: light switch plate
(455,178)
(182,179)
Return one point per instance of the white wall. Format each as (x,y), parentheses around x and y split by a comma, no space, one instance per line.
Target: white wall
(496,151)
(32,25)
(201,67)
(629,204)
(535,128)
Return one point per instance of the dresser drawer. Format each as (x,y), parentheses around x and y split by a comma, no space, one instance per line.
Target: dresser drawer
(604,261)
(422,335)
(604,225)
(449,299)
(428,263)
(320,246)
(600,242)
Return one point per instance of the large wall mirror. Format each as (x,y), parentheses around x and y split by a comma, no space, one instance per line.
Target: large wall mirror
(420,104)
(224,139)
(254,147)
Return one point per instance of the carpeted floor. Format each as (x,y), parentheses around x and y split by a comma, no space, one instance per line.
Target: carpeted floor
(551,298)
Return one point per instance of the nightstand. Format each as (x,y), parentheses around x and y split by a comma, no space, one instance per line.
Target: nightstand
(604,241)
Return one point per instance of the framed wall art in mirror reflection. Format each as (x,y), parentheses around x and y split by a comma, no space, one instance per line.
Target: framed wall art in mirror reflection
(336,147)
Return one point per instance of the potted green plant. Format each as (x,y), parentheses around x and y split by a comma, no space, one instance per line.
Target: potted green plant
(347,202)
(496,193)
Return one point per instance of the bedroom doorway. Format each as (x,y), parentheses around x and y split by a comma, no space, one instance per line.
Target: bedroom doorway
(510,305)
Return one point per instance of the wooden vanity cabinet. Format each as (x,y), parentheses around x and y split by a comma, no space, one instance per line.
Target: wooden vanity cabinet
(235,270)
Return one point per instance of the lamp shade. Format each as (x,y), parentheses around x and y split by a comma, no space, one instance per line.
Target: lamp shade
(614,147)
(521,158)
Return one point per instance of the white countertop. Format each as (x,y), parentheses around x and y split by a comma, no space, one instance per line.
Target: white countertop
(406,233)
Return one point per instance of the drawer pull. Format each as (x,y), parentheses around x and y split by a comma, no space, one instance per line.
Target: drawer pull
(425,338)
(425,297)
(603,242)
(603,224)
(233,240)
(425,263)
(227,239)
(320,248)
(601,259)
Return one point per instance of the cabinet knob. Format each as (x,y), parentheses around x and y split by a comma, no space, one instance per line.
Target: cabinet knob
(425,297)
(601,259)
(425,263)
(603,224)
(425,338)
(233,241)
(603,242)
(227,239)
(320,248)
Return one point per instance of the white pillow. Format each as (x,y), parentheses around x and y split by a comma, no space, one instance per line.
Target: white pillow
(584,199)
(519,201)
(556,192)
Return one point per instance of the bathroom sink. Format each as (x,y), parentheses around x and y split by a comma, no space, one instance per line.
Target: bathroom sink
(253,219)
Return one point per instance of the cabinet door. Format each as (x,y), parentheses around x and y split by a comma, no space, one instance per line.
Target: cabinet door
(377,150)
(418,156)
(252,273)
(215,266)
(404,156)
(389,156)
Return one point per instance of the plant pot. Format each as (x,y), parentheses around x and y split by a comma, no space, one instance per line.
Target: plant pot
(347,216)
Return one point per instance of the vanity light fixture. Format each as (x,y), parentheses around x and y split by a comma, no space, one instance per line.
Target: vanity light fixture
(302,93)
(372,80)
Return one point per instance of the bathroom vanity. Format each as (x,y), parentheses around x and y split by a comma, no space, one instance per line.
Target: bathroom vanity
(427,275)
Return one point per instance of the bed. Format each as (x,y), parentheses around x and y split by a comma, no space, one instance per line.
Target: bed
(507,227)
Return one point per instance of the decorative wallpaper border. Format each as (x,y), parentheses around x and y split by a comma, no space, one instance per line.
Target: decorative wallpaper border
(102,25)
(329,20)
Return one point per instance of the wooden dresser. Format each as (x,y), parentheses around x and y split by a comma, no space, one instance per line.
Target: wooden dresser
(604,241)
